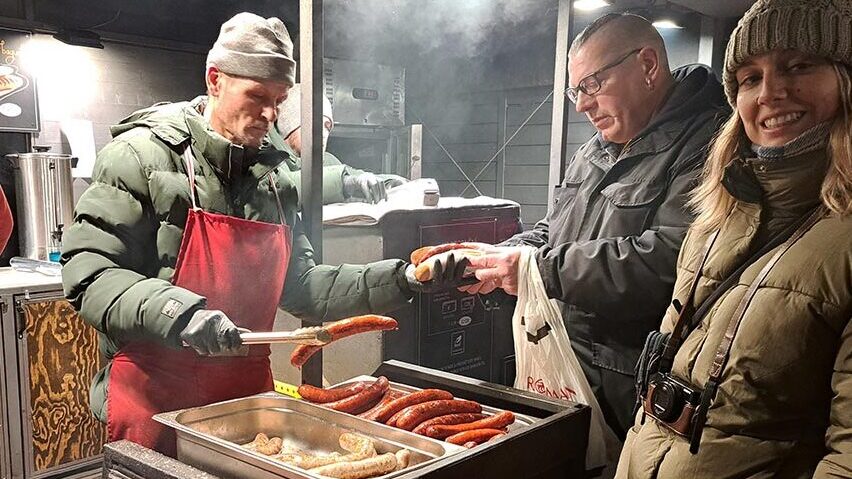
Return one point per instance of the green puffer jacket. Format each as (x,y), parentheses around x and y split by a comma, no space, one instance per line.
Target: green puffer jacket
(784,405)
(120,252)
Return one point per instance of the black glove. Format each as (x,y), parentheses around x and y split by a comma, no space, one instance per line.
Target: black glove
(366,186)
(211,333)
(445,275)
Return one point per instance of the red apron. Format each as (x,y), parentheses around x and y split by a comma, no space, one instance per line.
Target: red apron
(239,266)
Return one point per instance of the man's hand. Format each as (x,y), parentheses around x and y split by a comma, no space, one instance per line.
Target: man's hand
(495,270)
(365,186)
(211,333)
(445,276)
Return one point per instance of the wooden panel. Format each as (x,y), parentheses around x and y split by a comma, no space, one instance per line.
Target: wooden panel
(528,155)
(518,112)
(63,357)
(475,152)
(449,171)
(527,195)
(530,135)
(526,175)
(466,133)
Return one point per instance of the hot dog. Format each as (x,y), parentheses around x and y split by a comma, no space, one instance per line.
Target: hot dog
(363,400)
(462,418)
(320,396)
(410,400)
(422,254)
(477,436)
(414,415)
(497,421)
(389,396)
(344,328)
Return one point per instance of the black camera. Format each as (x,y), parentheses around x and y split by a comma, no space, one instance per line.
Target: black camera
(672,402)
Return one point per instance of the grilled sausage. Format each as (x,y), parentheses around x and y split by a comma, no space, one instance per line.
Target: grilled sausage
(414,415)
(410,400)
(342,329)
(475,435)
(497,421)
(389,396)
(462,418)
(363,400)
(392,421)
(371,467)
(320,395)
(471,444)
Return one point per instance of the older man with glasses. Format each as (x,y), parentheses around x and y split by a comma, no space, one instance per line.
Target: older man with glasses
(607,248)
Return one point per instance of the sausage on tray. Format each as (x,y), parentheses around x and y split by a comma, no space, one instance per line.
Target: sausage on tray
(389,396)
(462,418)
(459,418)
(320,395)
(497,421)
(342,329)
(475,435)
(363,400)
(410,400)
(392,421)
(371,467)
(416,414)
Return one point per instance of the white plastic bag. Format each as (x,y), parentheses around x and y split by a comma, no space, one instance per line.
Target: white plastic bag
(545,362)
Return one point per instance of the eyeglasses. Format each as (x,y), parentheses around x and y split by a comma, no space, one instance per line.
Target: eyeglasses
(591,84)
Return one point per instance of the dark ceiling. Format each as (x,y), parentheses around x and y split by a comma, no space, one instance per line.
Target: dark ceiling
(367,23)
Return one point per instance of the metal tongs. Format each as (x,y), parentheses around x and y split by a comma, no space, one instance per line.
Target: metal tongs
(310,336)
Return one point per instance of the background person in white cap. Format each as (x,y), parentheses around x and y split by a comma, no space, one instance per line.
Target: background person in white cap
(188,233)
(340,182)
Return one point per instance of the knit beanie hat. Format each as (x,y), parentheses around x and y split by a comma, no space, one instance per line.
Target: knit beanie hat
(290,111)
(819,27)
(254,47)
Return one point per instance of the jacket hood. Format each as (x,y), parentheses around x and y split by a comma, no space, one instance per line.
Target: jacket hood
(696,90)
(165,120)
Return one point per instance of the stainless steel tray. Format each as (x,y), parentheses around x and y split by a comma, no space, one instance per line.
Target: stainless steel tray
(209,437)
(521,420)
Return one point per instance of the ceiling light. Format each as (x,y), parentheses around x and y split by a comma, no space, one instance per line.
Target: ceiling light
(590,5)
(666,24)
(80,38)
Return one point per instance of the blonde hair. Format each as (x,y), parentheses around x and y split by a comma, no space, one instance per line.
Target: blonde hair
(712,202)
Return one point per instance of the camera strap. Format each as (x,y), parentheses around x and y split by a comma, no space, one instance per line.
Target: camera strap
(724,349)
(686,310)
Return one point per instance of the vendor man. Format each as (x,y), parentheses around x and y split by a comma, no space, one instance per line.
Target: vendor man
(189,231)
(340,182)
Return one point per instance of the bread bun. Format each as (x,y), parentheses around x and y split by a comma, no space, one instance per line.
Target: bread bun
(423,271)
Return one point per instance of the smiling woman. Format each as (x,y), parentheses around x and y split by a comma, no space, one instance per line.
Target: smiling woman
(761,383)
(783,93)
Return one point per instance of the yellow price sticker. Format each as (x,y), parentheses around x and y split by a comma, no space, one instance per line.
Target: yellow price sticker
(287,389)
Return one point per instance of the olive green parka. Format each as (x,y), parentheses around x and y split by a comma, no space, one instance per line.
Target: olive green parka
(784,405)
(119,254)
